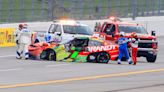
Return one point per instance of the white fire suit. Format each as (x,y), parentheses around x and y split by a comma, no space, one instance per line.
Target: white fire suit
(24,39)
(16,33)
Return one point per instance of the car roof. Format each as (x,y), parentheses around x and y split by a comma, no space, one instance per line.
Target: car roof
(123,23)
(68,22)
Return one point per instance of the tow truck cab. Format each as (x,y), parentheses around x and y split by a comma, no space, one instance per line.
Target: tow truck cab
(147,43)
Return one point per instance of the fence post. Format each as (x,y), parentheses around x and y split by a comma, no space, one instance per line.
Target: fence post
(50,9)
(100,9)
(43,8)
(159,7)
(21,10)
(108,8)
(10,11)
(142,9)
(1,10)
(32,9)
(126,10)
(81,7)
(153,7)
(133,9)
(147,8)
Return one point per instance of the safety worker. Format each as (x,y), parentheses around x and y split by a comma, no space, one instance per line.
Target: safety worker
(134,47)
(34,38)
(24,38)
(51,38)
(123,48)
(16,33)
(47,37)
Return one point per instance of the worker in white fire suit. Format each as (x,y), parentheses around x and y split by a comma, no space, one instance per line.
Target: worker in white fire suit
(24,39)
(16,33)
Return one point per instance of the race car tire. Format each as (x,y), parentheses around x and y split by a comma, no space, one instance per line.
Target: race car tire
(92,57)
(48,55)
(151,58)
(43,55)
(51,55)
(103,57)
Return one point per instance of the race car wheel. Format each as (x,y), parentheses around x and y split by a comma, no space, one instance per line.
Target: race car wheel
(51,55)
(92,57)
(43,55)
(103,57)
(48,55)
(151,58)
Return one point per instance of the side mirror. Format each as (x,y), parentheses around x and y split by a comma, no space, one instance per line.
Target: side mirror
(58,33)
(153,33)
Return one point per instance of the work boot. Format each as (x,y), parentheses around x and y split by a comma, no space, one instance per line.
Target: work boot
(119,62)
(130,62)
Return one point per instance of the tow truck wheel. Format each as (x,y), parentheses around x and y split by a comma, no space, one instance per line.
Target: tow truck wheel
(103,57)
(151,58)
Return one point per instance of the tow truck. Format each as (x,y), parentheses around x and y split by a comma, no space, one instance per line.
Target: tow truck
(147,43)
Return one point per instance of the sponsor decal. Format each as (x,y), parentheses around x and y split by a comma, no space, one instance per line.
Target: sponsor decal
(101,48)
(7,37)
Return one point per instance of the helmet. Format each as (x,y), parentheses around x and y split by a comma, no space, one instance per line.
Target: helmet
(122,33)
(20,25)
(25,25)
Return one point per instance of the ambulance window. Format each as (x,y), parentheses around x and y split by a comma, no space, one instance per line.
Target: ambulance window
(94,43)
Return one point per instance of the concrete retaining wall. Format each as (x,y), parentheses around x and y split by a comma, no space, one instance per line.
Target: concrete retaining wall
(151,23)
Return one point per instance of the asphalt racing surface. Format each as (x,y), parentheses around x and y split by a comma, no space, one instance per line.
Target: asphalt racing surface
(48,76)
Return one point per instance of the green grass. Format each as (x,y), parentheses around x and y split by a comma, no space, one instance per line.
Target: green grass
(120,8)
(23,11)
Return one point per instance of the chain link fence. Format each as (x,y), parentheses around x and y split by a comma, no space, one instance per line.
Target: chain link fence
(45,10)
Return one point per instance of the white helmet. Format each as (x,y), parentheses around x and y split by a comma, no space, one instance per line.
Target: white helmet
(122,33)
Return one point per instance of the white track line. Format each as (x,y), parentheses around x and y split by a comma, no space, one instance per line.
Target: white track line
(7,56)
(57,65)
(14,69)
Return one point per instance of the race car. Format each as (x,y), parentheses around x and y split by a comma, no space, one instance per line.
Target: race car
(79,49)
(36,49)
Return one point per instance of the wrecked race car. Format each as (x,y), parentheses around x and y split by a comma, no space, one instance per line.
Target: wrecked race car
(80,49)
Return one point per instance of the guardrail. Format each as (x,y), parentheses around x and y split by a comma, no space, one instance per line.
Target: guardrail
(7,37)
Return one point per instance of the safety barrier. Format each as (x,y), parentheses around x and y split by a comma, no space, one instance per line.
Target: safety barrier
(7,37)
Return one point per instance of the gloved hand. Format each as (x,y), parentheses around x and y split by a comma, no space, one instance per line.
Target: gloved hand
(17,42)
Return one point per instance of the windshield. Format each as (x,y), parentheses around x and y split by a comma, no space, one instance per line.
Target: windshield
(78,29)
(129,29)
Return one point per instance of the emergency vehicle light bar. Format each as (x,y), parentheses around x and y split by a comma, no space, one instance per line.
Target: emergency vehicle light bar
(114,19)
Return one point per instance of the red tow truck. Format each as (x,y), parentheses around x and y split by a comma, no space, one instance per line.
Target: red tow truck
(147,43)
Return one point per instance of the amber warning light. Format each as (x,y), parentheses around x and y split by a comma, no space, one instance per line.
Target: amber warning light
(113,18)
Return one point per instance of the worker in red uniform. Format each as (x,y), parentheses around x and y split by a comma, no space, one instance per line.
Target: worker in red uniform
(134,47)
